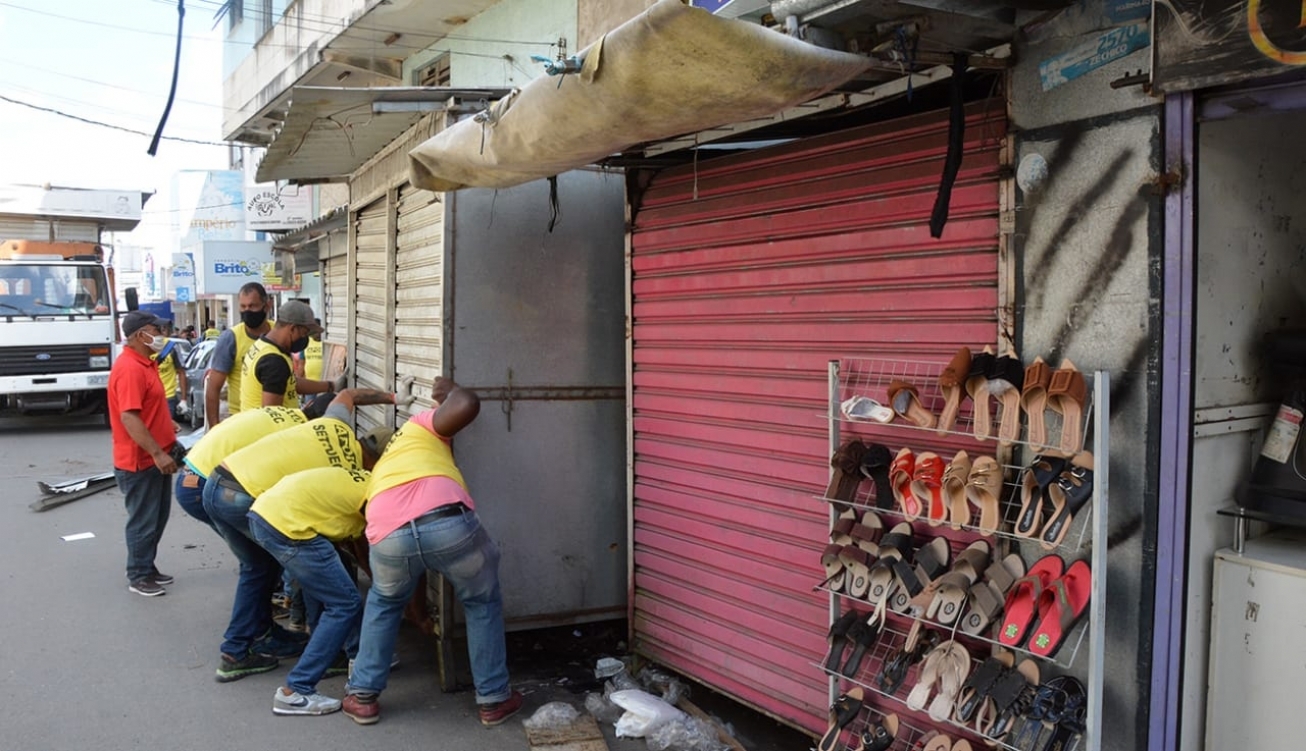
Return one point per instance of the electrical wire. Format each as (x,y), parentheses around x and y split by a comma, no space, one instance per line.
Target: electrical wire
(106,84)
(172,89)
(89,121)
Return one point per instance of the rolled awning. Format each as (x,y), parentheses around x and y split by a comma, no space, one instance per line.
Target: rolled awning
(670,70)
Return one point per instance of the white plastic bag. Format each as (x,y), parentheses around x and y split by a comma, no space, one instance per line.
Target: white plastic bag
(644,713)
(555,715)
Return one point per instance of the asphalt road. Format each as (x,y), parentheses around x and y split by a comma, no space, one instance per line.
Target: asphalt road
(86,665)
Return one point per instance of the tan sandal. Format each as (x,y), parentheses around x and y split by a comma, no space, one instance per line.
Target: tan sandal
(906,401)
(984,490)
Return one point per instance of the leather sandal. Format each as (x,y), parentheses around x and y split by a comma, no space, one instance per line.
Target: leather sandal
(976,688)
(1012,696)
(863,636)
(988,597)
(955,478)
(1072,490)
(875,465)
(1034,482)
(835,575)
(984,491)
(900,474)
(919,696)
(952,384)
(952,589)
(906,402)
(857,570)
(1034,400)
(1005,382)
(927,487)
(977,388)
(846,474)
(838,637)
(866,533)
(844,710)
(1067,393)
(879,736)
(915,577)
(918,644)
(894,546)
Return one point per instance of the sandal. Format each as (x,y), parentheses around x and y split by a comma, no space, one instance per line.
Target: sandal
(835,575)
(952,674)
(1059,606)
(907,403)
(1067,392)
(847,475)
(1011,697)
(878,736)
(952,384)
(929,675)
(861,409)
(952,589)
(915,577)
(976,688)
(1034,400)
(1067,496)
(857,570)
(866,533)
(844,710)
(875,465)
(863,635)
(1023,599)
(839,638)
(1005,382)
(927,487)
(977,387)
(1033,490)
(988,597)
(984,490)
(894,546)
(900,474)
(894,670)
(955,478)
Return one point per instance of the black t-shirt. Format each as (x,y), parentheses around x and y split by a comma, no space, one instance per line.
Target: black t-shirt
(273,373)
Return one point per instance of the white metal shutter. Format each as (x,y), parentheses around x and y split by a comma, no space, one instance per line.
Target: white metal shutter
(371,328)
(419,292)
(335,300)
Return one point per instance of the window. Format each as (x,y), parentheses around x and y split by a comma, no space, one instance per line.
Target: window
(434,73)
(264,17)
(235,12)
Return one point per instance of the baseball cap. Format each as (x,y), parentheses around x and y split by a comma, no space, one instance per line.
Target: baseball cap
(139,319)
(298,313)
(375,440)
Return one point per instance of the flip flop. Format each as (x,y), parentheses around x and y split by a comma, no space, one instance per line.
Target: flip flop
(952,384)
(844,710)
(956,666)
(984,490)
(879,736)
(1067,392)
(1005,381)
(900,474)
(952,589)
(876,463)
(1072,490)
(1034,482)
(838,637)
(929,675)
(977,387)
(988,597)
(927,487)
(1061,605)
(954,490)
(1023,599)
(907,403)
(1034,400)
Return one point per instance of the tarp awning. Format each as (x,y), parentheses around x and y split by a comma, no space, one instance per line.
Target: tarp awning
(330,132)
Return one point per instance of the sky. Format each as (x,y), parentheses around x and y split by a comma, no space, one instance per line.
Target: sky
(109,61)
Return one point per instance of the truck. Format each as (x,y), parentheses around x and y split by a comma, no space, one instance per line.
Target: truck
(58,327)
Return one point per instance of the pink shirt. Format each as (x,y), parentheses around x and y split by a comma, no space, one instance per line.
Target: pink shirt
(393,508)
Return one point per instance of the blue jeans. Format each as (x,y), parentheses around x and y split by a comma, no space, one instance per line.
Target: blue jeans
(191,500)
(316,565)
(260,574)
(460,549)
(148,498)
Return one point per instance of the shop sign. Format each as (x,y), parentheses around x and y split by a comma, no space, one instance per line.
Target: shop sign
(1203,43)
(224,267)
(183,277)
(271,207)
(1098,51)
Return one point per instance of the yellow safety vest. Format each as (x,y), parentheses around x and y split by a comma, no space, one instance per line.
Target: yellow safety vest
(413,453)
(243,342)
(326,501)
(167,373)
(251,391)
(313,360)
(237,432)
(324,442)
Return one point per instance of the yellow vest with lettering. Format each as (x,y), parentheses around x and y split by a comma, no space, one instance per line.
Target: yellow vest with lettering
(237,432)
(324,442)
(243,342)
(251,391)
(313,360)
(167,374)
(413,453)
(326,501)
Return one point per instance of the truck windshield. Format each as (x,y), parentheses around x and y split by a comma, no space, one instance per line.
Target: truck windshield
(40,289)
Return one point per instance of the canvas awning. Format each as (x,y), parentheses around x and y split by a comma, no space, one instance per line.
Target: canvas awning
(330,132)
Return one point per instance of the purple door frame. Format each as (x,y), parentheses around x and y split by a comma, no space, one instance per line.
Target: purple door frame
(1179,276)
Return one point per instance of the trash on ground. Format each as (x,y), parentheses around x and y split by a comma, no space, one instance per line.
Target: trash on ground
(552,716)
(671,689)
(602,709)
(607,667)
(686,734)
(644,713)
(78,536)
(59,493)
(583,734)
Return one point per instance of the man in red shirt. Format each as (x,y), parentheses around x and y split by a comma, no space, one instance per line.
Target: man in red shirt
(143,438)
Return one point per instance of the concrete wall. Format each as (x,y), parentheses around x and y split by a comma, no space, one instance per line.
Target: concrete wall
(241,38)
(1251,233)
(1086,255)
(495,47)
(597,17)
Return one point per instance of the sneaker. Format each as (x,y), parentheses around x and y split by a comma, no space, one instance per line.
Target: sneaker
(362,708)
(146,587)
(275,646)
(161,578)
(230,669)
(495,714)
(297,703)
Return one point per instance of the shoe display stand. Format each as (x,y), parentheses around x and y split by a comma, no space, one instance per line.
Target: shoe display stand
(1082,647)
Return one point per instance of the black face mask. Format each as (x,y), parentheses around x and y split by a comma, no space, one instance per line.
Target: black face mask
(299,345)
(253,318)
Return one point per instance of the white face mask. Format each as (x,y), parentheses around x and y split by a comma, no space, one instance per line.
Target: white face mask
(156,343)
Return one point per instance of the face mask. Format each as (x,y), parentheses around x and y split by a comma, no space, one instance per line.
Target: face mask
(156,343)
(253,318)
(299,345)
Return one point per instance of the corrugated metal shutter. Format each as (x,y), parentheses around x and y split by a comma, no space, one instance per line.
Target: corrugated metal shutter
(750,273)
(335,300)
(371,326)
(22,228)
(419,292)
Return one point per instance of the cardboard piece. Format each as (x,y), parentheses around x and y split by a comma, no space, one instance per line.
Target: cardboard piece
(582,735)
(334,361)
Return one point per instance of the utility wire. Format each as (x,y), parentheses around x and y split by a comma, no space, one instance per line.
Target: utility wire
(176,72)
(89,121)
(106,84)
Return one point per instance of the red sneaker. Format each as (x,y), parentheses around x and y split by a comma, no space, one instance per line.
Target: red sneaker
(363,709)
(495,714)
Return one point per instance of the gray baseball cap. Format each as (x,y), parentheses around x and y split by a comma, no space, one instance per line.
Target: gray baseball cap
(298,314)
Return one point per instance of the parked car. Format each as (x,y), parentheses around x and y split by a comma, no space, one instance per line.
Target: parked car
(197,366)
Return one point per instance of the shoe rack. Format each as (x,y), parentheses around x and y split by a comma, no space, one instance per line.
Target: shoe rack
(1082,651)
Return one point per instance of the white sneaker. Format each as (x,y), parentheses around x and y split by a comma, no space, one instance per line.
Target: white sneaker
(297,703)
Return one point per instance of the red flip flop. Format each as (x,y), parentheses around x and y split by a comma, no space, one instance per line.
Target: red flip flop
(1059,607)
(1023,599)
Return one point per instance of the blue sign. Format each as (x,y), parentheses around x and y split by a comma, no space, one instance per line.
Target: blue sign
(1100,50)
(711,6)
(183,294)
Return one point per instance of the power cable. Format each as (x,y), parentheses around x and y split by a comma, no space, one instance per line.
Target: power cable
(89,121)
(106,84)
(172,90)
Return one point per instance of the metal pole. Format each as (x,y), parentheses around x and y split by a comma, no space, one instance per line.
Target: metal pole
(1097,615)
